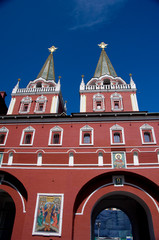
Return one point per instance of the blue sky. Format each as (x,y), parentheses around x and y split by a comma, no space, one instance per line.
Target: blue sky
(76,27)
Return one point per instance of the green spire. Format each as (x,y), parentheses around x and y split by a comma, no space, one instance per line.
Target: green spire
(47,72)
(104,65)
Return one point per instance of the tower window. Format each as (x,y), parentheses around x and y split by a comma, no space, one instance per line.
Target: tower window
(40,107)
(106,82)
(87,138)
(3,135)
(39,85)
(25,105)
(99,105)
(40,104)
(147,137)
(116,104)
(98,102)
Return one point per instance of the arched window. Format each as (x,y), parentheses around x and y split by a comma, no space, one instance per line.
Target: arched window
(71,159)
(147,137)
(39,85)
(10,158)
(117,138)
(39,159)
(87,138)
(135,158)
(100,159)
(56,138)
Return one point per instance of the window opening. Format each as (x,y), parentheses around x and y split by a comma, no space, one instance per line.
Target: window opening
(99,105)
(39,85)
(25,107)
(106,82)
(40,107)
(2,138)
(28,138)
(116,105)
(87,138)
(117,138)
(147,137)
(56,138)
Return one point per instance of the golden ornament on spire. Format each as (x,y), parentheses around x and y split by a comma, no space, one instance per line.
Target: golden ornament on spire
(52,49)
(102,45)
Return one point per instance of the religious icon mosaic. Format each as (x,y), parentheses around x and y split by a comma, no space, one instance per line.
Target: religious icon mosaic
(48,214)
(118,160)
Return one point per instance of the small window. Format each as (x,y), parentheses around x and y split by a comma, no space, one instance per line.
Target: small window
(86,135)
(40,107)
(116,105)
(25,105)
(106,82)
(99,105)
(147,134)
(117,138)
(147,137)
(27,138)
(39,85)
(98,102)
(87,138)
(3,135)
(56,138)
(2,138)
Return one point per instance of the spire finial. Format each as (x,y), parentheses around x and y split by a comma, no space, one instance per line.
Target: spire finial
(102,45)
(19,79)
(130,74)
(52,49)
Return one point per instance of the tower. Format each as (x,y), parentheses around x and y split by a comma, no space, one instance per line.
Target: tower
(106,92)
(41,96)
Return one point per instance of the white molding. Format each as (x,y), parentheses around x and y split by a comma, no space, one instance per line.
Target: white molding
(11,106)
(40,99)
(145,127)
(98,97)
(27,130)
(117,128)
(55,129)
(25,100)
(134,102)
(116,97)
(83,103)
(86,128)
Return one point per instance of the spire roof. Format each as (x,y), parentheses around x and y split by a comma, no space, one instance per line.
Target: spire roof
(47,72)
(104,66)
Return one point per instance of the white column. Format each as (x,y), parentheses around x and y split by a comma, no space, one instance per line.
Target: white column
(54,104)
(83,103)
(11,106)
(134,102)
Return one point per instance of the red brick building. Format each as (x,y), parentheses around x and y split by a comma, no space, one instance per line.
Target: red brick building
(59,171)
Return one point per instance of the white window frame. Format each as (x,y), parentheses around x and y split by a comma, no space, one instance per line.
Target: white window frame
(86,129)
(117,128)
(27,130)
(55,129)
(5,131)
(144,128)
(116,97)
(98,98)
(25,100)
(42,99)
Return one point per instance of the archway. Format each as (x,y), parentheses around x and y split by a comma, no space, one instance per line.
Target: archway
(7,215)
(137,213)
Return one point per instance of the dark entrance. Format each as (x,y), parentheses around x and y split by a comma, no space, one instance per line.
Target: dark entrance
(7,215)
(137,212)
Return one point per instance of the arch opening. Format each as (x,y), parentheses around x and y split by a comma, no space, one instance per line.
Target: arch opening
(7,215)
(138,218)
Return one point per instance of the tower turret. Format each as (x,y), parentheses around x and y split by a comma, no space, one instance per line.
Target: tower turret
(42,95)
(106,92)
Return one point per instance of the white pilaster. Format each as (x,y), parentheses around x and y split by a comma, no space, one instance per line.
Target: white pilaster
(134,102)
(11,106)
(54,104)
(83,103)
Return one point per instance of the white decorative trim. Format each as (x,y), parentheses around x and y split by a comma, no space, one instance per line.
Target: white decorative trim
(41,99)
(55,129)
(83,103)
(11,106)
(98,98)
(23,203)
(106,185)
(100,159)
(27,130)
(39,159)
(117,128)
(71,159)
(134,102)
(150,128)
(86,128)
(5,131)
(135,158)
(25,100)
